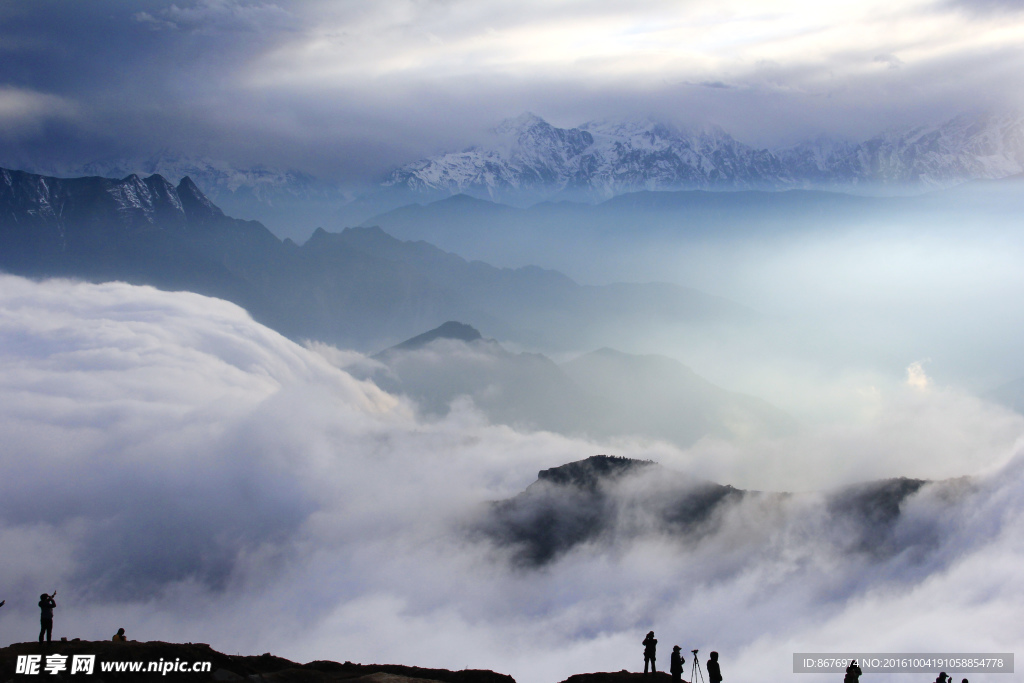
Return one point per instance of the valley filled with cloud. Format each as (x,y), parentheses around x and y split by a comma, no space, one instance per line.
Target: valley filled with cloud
(464,334)
(174,467)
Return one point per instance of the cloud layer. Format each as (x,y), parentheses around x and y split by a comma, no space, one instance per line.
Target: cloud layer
(346,90)
(176,469)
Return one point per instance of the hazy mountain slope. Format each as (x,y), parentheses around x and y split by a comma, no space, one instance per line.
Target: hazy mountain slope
(361,288)
(601,394)
(541,307)
(661,397)
(579,236)
(525,390)
(144,231)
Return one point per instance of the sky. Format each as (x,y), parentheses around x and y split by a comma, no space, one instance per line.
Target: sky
(348,90)
(174,468)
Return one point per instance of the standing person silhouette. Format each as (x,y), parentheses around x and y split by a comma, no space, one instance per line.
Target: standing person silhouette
(46,605)
(853,673)
(676,664)
(714,672)
(650,652)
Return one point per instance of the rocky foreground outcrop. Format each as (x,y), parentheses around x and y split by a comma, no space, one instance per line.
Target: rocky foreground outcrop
(213,666)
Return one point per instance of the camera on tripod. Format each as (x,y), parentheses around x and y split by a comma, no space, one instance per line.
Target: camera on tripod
(695,669)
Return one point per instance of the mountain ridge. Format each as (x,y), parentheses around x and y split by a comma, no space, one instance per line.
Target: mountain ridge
(598,160)
(360,288)
(600,394)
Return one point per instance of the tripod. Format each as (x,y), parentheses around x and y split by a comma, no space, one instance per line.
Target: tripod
(695,669)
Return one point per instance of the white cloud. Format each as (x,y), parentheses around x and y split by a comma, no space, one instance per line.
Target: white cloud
(22,108)
(916,377)
(176,469)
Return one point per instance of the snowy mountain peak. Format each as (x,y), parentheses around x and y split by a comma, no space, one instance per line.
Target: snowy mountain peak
(531,159)
(520,123)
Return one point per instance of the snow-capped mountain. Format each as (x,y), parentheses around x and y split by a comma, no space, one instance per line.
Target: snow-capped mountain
(289,201)
(529,157)
(216,177)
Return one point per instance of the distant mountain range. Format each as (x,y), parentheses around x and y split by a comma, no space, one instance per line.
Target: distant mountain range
(598,394)
(529,159)
(360,288)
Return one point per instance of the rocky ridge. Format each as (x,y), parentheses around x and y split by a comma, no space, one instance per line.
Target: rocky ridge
(222,667)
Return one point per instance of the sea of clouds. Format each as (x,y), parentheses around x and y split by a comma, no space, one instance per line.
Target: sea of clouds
(172,467)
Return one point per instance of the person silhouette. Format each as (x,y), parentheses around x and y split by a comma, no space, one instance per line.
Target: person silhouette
(853,673)
(119,637)
(650,652)
(46,605)
(714,672)
(943,678)
(676,664)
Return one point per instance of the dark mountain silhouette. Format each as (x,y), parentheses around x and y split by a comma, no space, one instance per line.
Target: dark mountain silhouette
(623,677)
(587,474)
(449,330)
(576,503)
(360,288)
(604,499)
(225,667)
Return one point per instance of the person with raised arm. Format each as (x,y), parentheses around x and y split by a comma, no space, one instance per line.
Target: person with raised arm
(650,652)
(46,605)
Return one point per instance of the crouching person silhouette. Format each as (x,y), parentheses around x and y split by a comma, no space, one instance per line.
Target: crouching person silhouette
(46,605)
(650,652)
(119,637)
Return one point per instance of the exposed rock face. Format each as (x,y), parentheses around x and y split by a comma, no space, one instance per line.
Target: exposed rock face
(607,500)
(578,503)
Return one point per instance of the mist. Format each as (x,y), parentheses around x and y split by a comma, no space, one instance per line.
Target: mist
(847,291)
(176,469)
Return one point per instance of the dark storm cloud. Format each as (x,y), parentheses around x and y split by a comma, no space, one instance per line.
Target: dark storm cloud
(349,90)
